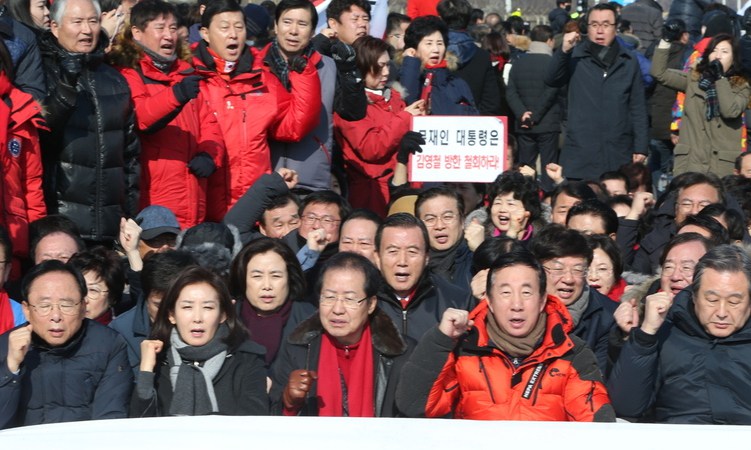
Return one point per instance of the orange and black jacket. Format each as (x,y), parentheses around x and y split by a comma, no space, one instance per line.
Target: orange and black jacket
(473,379)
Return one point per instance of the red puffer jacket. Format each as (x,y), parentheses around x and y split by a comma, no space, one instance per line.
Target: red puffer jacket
(171,135)
(559,381)
(252,106)
(370,146)
(21,164)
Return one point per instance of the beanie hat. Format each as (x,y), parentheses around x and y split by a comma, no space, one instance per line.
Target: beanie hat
(717,22)
(257,20)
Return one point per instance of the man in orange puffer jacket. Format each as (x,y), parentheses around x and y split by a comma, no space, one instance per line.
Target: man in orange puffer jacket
(511,358)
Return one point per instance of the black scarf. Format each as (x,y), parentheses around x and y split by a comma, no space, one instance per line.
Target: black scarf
(160,62)
(192,371)
(280,65)
(442,262)
(603,56)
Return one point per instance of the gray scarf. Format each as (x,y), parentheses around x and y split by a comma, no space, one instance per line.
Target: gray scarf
(192,371)
(576,309)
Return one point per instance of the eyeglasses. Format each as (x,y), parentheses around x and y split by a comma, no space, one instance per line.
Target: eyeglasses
(326,221)
(94,293)
(447,218)
(601,26)
(558,272)
(45,309)
(349,303)
(686,270)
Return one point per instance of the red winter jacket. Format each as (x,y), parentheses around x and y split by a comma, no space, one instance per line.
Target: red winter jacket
(21,165)
(252,106)
(171,135)
(370,146)
(559,381)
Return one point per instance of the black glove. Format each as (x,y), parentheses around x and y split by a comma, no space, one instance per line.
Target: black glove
(298,63)
(672,29)
(70,69)
(344,57)
(187,89)
(410,144)
(202,165)
(715,70)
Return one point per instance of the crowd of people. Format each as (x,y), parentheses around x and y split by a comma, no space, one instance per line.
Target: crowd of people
(206,210)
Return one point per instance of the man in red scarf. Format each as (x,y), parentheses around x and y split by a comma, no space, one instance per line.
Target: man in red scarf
(330,364)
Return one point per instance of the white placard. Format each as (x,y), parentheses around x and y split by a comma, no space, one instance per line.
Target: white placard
(459,149)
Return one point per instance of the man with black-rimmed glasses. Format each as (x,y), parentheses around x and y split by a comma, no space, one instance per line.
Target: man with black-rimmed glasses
(61,367)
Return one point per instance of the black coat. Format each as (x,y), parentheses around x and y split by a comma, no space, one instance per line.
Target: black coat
(91,153)
(607,111)
(302,350)
(691,12)
(240,385)
(527,91)
(477,70)
(687,375)
(433,296)
(88,378)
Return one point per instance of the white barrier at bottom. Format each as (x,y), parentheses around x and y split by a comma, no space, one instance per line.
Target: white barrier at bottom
(306,433)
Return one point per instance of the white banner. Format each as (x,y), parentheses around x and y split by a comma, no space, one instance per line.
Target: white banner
(459,149)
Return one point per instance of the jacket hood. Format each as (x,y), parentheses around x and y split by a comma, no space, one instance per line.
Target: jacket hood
(684,317)
(452,61)
(557,328)
(128,53)
(462,45)
(386,338)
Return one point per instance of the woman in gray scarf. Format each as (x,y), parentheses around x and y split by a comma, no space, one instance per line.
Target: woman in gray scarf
(199,360)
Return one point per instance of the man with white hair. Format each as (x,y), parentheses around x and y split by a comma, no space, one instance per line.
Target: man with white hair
(91,151)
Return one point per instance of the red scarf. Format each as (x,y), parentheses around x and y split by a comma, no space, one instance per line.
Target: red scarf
(223,67)
(616,292)
(6,313)
(354,364)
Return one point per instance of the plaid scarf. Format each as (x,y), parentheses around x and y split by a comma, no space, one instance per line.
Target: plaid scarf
(280,66)
(707,85)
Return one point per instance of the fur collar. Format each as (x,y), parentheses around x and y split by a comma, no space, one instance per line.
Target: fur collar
(386,338)
(452,61)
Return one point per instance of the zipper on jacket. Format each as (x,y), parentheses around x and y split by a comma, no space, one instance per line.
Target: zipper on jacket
(99,159)
(487,380)
(404,322)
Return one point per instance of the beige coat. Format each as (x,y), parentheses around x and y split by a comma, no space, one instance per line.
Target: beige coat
(705,146)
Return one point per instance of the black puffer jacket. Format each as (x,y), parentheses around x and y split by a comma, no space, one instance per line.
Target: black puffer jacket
(302,350)
(90,154)
(691,12)
(686,374)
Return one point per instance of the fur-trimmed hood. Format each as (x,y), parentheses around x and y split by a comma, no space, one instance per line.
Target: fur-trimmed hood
(213,255)
(452,61)
(386,338)
(126,52)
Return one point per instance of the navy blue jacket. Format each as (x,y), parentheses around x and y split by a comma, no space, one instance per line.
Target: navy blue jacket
(134,326)
(85,379)
(450,95)
(687,375)
(595,325)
